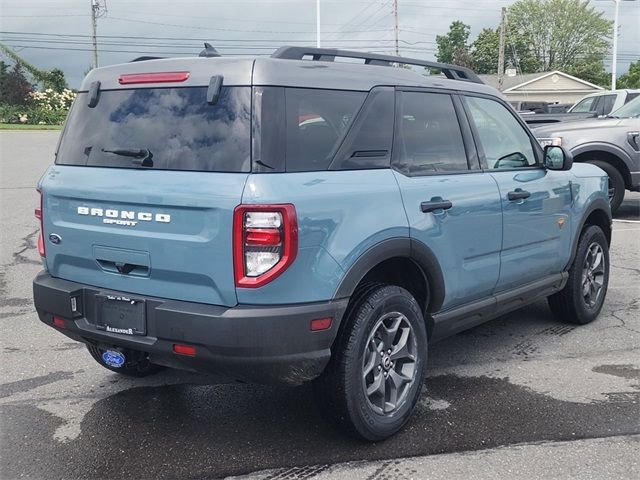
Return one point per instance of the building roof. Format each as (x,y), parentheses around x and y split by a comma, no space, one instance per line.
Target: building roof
(527,82)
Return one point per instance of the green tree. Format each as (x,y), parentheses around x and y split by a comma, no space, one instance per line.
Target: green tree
(15,87)
(484,51)
(631,79)
(560,34)
(454,44)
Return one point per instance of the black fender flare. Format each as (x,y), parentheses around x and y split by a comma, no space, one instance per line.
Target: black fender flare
(403,247)
(603,147)
(598,204)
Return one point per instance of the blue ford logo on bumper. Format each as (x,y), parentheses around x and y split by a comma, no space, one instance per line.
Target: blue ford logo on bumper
(113,358)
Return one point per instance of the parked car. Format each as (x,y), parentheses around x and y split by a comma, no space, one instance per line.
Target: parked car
(605,102)
(612,143)
(294,219)
(591,106)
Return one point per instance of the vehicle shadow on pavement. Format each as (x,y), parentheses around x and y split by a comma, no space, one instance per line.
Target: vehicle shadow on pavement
(208,431)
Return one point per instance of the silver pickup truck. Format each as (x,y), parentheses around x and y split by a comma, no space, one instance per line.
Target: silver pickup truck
(612,143)
(591,106)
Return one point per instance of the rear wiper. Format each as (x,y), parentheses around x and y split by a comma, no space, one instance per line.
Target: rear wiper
(141,156)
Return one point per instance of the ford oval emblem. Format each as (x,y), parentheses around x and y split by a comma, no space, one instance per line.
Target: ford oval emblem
(55,238)
(113,358)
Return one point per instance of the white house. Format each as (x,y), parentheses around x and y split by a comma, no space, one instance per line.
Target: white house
(552,87)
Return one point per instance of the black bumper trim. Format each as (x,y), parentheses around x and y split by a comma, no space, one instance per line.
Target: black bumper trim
(266,344)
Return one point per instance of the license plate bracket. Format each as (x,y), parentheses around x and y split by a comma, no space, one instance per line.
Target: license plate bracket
(121,314)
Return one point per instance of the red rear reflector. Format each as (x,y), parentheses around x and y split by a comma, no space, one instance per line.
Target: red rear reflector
(38,214)
(258,236)
(158,77)
(59,322)
(188,350)
(321,324)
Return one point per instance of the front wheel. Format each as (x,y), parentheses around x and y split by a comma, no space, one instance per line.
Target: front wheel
(583,296)
(616,183)
(375,375)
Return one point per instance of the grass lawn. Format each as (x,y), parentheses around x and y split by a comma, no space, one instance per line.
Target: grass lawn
(20,126)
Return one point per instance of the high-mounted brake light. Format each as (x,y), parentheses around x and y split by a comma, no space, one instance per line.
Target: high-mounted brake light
(265,242)
(39,216)
(157,77)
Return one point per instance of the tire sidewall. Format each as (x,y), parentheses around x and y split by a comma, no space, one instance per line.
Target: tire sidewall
(371,424)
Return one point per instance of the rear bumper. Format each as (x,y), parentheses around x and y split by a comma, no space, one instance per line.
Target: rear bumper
(264,344)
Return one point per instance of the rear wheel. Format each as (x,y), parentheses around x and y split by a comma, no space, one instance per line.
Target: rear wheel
(616,183)
(376,371)
(583,296)
(135,364)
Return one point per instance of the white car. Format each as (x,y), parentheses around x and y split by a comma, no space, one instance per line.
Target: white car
(604,102)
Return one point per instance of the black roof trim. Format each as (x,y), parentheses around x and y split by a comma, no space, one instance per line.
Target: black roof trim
(145,58)
(453,72)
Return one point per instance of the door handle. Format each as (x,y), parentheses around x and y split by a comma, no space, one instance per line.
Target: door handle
(518,194)
(435,205)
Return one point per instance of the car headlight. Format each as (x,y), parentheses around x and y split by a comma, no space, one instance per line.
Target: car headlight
(555,141)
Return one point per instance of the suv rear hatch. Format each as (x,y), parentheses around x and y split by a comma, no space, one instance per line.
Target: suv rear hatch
(142,195)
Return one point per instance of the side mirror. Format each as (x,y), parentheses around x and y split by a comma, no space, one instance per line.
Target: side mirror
(557,158)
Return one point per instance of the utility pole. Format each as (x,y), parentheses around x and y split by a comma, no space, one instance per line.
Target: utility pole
(395,17)
(97,11)
(318,23)
(614,61)
(503,32)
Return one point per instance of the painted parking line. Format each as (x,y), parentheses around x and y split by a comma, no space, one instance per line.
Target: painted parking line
(626,221)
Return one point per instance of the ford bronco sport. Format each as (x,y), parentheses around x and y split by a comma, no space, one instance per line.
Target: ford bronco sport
(295,218)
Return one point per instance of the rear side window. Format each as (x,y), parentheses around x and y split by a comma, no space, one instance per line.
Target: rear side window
(307,131)
(630,97)
(176,126)
(317,121)
(428,137)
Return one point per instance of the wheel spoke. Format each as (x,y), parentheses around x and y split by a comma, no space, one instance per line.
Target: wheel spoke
(389,333)
(597,260)
(401,349)
(378,386)
(371,362)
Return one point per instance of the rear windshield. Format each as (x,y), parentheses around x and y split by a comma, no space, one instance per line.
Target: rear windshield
(176,126)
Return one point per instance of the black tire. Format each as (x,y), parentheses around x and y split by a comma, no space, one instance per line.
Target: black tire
(616,182)
(570,304)
(341,389)
(139,366)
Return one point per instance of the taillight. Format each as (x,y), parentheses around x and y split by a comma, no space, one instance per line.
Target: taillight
(265,242)
(38,213)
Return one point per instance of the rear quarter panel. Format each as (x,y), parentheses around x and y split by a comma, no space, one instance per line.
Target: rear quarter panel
(340,214)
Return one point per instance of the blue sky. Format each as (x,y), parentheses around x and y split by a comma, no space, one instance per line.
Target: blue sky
(54,33)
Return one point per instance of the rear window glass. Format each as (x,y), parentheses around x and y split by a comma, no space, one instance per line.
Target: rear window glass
(315,123)
(176,125)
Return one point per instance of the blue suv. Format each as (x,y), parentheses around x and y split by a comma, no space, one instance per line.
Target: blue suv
(296,218)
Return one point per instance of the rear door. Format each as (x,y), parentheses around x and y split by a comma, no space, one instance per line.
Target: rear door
(452,207)
(536,202)
(142,195)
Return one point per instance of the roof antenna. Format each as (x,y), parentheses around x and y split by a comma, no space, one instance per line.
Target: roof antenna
(209,51)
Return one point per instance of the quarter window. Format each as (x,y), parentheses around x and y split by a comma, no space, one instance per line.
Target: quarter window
(428,137)
(505,142)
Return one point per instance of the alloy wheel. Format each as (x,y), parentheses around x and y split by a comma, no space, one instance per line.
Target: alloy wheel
(593,271)
(389,363)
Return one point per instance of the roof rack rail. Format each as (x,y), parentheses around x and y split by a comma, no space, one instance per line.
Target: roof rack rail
(145,58)
(453,72)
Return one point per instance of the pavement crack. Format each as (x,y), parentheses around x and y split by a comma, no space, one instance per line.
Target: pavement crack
(28,243)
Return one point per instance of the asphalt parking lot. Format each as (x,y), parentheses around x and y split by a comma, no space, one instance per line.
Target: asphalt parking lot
(520,379)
